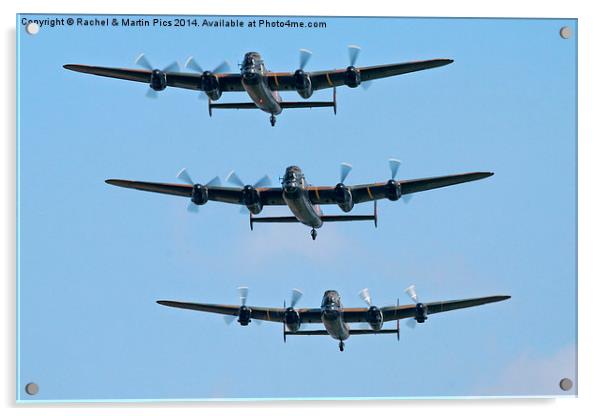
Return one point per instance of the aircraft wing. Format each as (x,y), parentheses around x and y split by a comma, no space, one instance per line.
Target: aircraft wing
(285,81)
(307,315)
(391,313)
(269,196)
(190,81)
(325,195)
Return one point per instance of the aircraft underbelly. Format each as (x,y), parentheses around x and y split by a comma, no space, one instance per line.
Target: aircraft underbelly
(262,97)
(336,328)
(303,210)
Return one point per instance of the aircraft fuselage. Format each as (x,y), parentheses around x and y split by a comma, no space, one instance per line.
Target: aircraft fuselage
(256,84)
(297,199)
(332,316)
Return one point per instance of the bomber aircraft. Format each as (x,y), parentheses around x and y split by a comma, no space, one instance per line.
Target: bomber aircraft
(302,199)
(333,315)
(260,84)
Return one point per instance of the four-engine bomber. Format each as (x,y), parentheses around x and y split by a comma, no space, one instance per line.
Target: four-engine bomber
(302,199)
(332,315)
(261,85)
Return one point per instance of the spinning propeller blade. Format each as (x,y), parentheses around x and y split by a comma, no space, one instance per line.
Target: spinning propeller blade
(192,208)
(296,294)
(263,182)
(216,181)
(304,56)
(394,166)
(345,169)
(234,179)
(223,67)
(191,63)
(243,292)
(142,61)
(185,177)
(173,67)
(365,296)
(411,292)
(354,52)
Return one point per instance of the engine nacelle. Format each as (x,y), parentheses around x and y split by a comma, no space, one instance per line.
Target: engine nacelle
(244,315)
(251,199)
(375,318)
(421,313)
(200,194)
(393,190)
(343,197)
(292,319)
(158,80)
(352,77)
(303,83)
(210,85)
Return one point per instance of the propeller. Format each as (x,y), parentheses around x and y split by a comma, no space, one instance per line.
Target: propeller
(234,179)
(143,61)
(394,166)
(185,177)
(365,296)
(354,52)
(243,293)
(411,292)
(345,169)
(296,294)
(291,317)
(191,63)
(304,56)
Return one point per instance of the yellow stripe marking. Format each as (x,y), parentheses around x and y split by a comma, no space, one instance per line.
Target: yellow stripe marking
(328,79)
(369,192)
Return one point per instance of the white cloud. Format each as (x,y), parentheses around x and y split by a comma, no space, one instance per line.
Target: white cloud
(284,240)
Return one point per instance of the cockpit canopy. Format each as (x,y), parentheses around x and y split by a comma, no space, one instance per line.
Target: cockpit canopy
(252,60)
(292,173)
(331,297)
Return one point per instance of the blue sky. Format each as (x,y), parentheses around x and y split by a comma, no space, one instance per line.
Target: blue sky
(93,259)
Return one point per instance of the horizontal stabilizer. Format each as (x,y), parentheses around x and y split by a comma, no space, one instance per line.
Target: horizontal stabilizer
(307,104)
(273,219)
(370,331)
(351,332)
(325,218)
(310,332)
(284,105)
(233,106)
(339,218)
